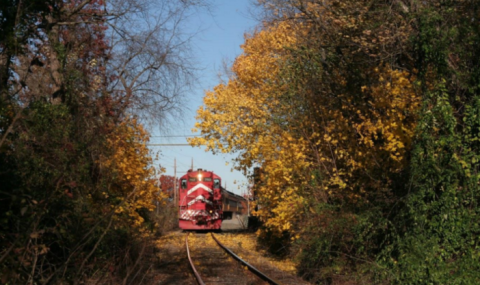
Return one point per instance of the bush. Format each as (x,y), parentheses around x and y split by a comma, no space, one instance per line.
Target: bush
(338,246)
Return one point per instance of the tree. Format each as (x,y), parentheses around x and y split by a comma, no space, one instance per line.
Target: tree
(239,117)
(322,124)
(167,183)
(77,174)
(438,218)
(326,101)
(150,56)
(367,116)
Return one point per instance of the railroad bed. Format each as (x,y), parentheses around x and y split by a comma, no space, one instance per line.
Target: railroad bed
(235,269)
(213,264)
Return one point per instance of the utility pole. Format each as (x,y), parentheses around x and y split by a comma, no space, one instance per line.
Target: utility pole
(192,164)
(175,182)
(159,188)
(248,202)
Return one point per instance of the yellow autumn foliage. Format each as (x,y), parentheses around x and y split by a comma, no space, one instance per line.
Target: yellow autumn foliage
(237,117)
(320,142)
(130,167)
(365,137)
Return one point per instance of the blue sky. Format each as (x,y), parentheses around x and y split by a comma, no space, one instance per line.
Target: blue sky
(219,34)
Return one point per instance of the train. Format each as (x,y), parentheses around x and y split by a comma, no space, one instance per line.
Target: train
(204,204)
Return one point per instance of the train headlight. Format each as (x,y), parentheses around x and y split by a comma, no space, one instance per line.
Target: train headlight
(199,177)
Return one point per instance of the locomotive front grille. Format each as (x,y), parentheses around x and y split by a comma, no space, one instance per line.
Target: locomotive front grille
(196,215)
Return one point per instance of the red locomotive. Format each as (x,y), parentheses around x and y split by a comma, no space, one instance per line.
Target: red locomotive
(204,204)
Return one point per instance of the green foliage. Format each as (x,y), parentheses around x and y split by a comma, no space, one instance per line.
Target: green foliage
(277,244)
(340,246)
(437,230)
(434,239)
(76,189)
(417,222)
(44,210)
(56,223)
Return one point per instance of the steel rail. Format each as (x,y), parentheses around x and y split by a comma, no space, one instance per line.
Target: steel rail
(250,267)
(199,279)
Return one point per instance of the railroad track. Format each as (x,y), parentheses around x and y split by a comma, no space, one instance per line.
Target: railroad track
(213,263)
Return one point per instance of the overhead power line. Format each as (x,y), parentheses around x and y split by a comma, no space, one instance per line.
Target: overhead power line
(168,144)
(176,136)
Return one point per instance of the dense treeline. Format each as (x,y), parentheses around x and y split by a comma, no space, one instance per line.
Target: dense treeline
(364,117)
(76,189)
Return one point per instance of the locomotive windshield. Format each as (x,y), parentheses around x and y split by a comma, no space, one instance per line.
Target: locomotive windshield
(216,183)
(184,183)
(207,179)
(192,179)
